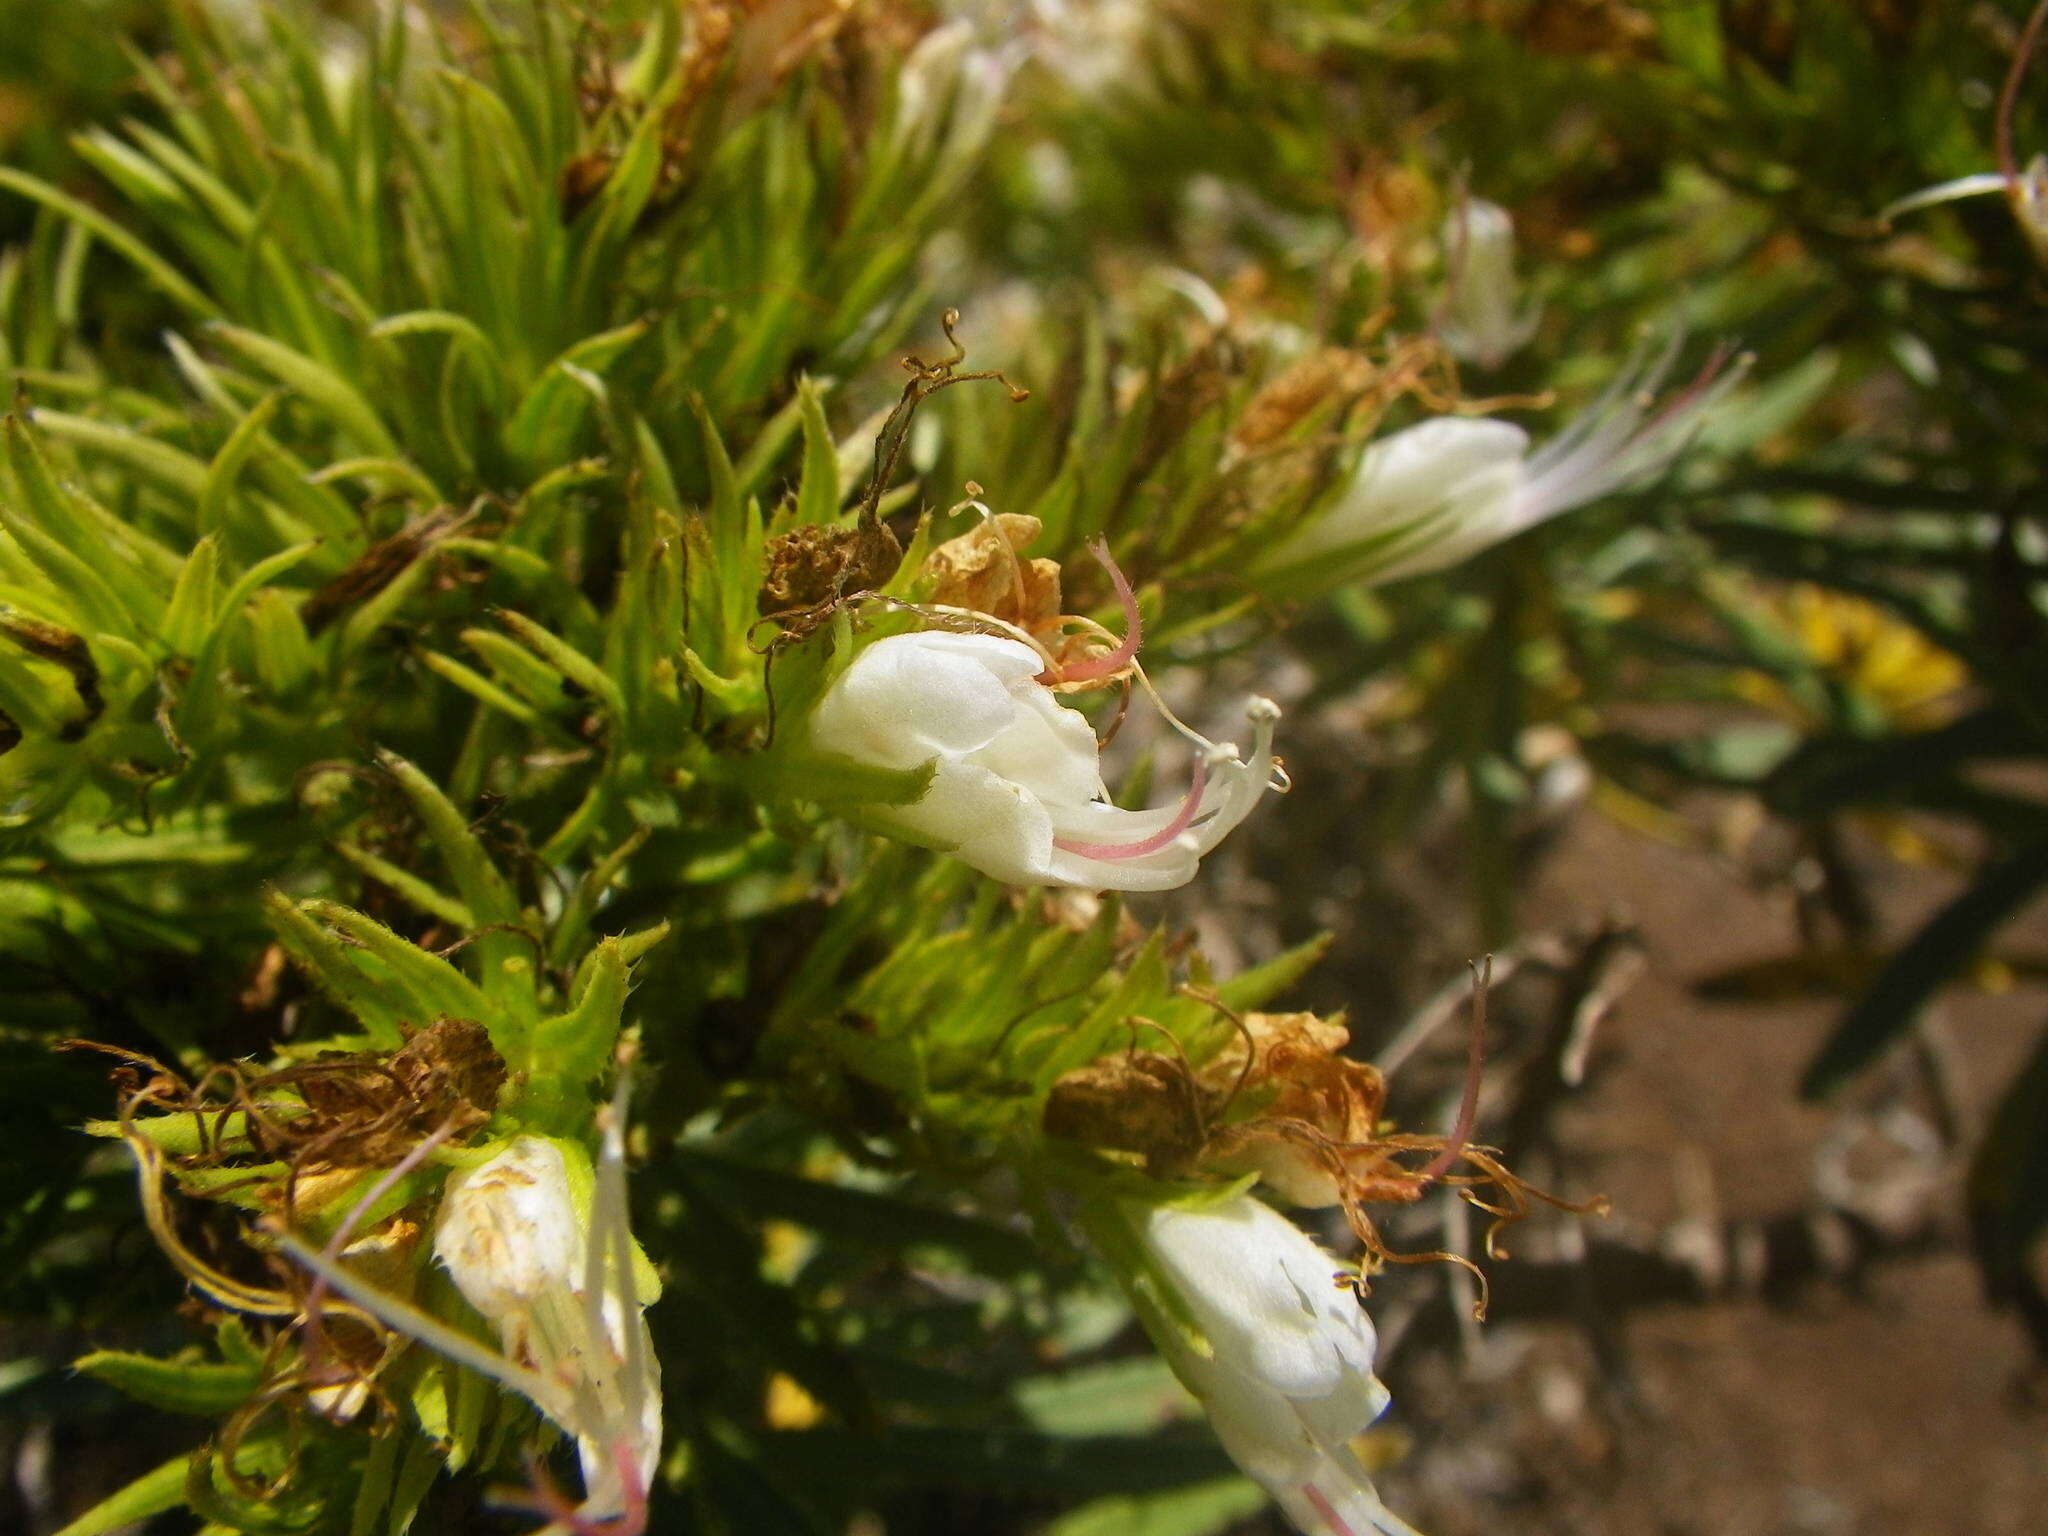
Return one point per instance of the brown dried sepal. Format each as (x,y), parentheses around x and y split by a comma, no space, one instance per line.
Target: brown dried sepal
(811,569)
(367,1110)
(324,1119)
(377,567)
(1140,1102)
(1297,1067)
(61,648)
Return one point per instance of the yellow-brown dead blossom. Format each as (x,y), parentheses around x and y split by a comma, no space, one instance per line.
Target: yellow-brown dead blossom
(985,569)
(1283,1102)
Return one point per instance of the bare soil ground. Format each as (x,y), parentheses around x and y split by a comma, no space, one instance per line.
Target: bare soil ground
(1780,1329)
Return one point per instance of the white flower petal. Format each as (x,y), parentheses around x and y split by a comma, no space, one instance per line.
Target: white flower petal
(507,1230)
(909,697)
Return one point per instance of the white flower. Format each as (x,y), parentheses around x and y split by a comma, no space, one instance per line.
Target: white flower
(1017,787)
(1444,489)
(1484,321)
(1287,1377)
(512,1242)
(562,1293)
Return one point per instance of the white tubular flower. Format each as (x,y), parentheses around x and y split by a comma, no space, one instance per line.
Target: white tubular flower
(1017,787)
(1287,1378)
(1443,490)
(1484,320)
(511,1240)
(561,1290)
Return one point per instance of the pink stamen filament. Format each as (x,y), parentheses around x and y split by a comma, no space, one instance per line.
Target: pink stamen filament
(1109,663)
(1182,818)
(1475,1063)
(1686,396)
(1327,1510)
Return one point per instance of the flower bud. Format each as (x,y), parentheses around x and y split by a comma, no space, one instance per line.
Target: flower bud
(1484,321)
(508,1230)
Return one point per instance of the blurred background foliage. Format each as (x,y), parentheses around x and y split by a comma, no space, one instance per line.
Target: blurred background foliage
(422,368)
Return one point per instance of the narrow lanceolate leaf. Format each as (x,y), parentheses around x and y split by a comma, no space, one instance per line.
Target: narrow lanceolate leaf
(576,1046)
(330,965)
(178,1386)
(566,659)
(225,470)
(504,951)
(150,1494)
(428,986)
(552,410)
(170,467)
(48,528)
(818,494)
(484,890)
(1956,935)
(318,385)
(826,779)
(189,619)
(1200,1509)
(436,904)
(147,262)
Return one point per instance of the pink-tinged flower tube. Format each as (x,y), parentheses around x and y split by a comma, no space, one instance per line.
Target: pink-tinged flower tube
(1284,1361)
(1016,788)
(1443,490)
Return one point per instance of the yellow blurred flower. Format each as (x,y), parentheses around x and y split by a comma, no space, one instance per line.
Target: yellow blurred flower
(1911,681)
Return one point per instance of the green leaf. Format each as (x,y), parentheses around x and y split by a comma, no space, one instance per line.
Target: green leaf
(315,383)
(1955,936)
(189,617)
(1200,1510)
(170,467)
(834,782)
(50,534)
(549,415)
(1012,1461)
(145,261)
(566,659)
(221,475)
(482,887)
(577,1046)
(1123,1397)
(1259,985)
(328,963)
(434,903)
(819,493)
(870,1218)
(150,1494)
(179,1386)
(2008,1190)
(427,986)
